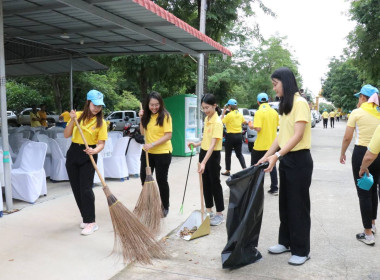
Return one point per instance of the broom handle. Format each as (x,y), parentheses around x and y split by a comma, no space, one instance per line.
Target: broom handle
(146,152)
(91,157)
(201,186)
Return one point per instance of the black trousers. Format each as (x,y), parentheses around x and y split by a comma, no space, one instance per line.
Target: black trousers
(367,199)
(212,189)
(255,157)
(234,141)
(81,175)
(332,122)
(295,170)
(160,163)
(337,119)
(325,122)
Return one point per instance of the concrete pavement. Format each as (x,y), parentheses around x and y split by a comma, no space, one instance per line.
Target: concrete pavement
(43,241)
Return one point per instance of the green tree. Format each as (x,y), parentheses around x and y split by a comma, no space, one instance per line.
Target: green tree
(325,106)
(364,41)
(20,96)
(341,82)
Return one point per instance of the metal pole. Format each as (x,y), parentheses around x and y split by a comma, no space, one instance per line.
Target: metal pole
(4,119)
(71,82)
(200,86)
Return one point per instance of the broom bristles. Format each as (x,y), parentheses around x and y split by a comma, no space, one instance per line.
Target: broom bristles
(131,236)
(148,207)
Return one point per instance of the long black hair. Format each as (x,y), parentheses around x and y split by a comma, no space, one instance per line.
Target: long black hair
(210,99)
(162,112)
(289,84)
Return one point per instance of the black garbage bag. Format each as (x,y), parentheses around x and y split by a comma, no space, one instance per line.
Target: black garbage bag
(245,212)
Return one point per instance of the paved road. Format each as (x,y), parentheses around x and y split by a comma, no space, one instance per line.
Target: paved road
(335,253)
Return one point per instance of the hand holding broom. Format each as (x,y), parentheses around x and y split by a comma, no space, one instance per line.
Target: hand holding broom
(135,240)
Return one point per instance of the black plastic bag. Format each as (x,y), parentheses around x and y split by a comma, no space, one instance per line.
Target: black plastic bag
(245,212)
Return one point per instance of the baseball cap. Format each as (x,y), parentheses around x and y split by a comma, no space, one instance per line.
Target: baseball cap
(96,97)
(262,97)
(231,102)
(367,90)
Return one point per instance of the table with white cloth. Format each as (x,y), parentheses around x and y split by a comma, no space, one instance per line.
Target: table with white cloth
(133,155)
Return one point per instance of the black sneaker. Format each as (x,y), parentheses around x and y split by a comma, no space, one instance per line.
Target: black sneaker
(273,192)
(227,173)
(366,239)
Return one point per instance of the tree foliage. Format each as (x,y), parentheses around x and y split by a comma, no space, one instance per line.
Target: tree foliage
(341,82)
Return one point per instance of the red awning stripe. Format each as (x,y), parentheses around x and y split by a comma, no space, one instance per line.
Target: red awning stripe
(181,24)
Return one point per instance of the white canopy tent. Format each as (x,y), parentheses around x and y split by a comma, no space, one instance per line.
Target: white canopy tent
(72,30)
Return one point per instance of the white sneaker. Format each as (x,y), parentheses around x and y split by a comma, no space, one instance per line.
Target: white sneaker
(297,260)
(82,225)
(278,249)
(217,220)
(366,239)
(210,214)
(90,229)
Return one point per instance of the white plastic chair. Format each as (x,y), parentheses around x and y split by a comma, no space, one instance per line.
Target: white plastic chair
(29,179)
(115,135)
(47,165)
(64,144)
(115,166)
(58,170)
(133,156)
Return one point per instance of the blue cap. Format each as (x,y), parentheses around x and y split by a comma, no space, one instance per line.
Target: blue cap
(231,102)
(324,110)
(365,182)
(96,97)
(367,90)
(262,97)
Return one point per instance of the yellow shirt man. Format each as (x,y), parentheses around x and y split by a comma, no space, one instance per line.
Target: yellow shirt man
(213,128)
(66,116)
(325,115)
(266,118)
(43,118)
(233,121)
(34,123)
(332,114)
(154,132)
(92,133)
(299,112)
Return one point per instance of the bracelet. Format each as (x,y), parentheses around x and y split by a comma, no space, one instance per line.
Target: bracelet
(152,144)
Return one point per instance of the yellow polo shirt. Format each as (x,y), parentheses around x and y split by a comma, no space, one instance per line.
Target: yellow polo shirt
(348,116)
(374,144)
(34,116)
(325,115)
(233,121)
(154,132)
(213,128)
(267,119)
(299,112)
(332,114)
(43,115)
(92,133)
(365,121)
(66,116)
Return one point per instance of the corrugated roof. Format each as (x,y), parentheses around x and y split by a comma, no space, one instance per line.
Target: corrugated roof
(95,27)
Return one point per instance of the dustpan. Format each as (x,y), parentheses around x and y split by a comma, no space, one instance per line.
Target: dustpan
(197,219)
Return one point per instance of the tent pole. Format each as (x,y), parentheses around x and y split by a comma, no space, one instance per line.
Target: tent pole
(71,82)
(200,84)
(4,119)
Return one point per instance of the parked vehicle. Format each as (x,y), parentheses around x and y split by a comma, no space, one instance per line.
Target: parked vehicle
(24,117)
(317,116)
(313,120)
(252,112)
(120,118)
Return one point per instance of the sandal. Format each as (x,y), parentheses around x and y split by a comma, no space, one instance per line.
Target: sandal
(227,173)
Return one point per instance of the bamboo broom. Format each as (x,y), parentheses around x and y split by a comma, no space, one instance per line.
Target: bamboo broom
(149,207)
(131,236)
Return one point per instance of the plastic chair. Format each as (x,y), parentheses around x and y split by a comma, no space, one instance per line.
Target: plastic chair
(100,165)
(58,170)
(29,179)
(64,144)
(133,156)
(115,136)
(115,166)
(47,165)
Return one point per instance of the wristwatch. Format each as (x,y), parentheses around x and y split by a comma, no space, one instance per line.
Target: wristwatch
(153,144)
(279,156)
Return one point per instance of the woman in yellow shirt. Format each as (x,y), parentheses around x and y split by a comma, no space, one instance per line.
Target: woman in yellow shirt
(364,120)
(156,126)
(292,149)
(78,164)
(209,158)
